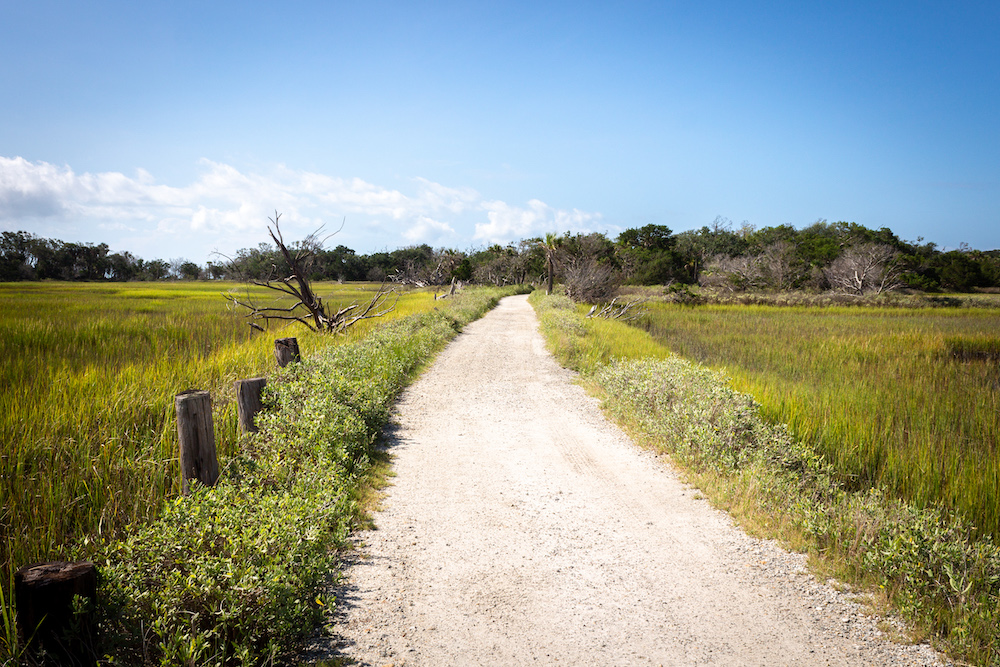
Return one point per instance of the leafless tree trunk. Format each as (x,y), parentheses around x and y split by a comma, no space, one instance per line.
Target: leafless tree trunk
(620,310)
(868,268)
(587,280)
(308,308)
(776,265)
(733,273)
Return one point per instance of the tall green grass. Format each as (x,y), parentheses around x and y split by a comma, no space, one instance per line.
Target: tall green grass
(234,574)
(928,563)
(908,400)
(87,379)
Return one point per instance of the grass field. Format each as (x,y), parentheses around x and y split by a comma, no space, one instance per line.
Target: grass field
(904,398)
(87,382)
(926,563)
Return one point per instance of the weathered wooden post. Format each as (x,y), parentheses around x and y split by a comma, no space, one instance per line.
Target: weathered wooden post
(197,438)
(248,402)
(286,350)
(44,594)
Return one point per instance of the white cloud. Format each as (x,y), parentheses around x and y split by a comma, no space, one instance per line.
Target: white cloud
(507,223)
(227,206)
(424,229)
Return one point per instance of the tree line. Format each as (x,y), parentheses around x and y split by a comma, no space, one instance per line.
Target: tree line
(842,256)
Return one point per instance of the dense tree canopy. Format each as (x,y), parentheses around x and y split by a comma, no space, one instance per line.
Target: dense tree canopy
(717,255)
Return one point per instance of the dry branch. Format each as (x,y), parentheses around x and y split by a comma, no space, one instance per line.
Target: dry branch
(308,308)
(624,310)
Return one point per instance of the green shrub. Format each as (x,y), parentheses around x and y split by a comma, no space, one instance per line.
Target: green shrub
(932,566)
(234,574)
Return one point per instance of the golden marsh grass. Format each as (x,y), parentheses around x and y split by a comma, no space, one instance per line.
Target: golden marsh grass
(87,382)
(904,398)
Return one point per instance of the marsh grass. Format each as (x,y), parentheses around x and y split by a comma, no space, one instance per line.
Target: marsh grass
(235,574)
(926,562)
(905,399)
(87,382)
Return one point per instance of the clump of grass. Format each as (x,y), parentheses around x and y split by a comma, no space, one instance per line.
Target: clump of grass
(933,566)
(973,348)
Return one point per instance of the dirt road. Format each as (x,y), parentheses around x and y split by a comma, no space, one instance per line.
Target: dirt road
(522,529)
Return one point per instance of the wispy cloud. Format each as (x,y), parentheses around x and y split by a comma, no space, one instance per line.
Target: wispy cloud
(224,202)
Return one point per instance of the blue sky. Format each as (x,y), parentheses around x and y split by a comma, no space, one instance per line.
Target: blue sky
(172,129)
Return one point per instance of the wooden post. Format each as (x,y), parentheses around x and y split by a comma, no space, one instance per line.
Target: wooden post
(286,350)
(248,402)
(44,594)
(197,438)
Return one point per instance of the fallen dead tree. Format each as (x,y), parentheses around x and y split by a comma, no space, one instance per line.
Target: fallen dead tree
(620,310)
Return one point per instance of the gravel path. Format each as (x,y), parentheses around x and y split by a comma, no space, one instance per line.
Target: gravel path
(522,528)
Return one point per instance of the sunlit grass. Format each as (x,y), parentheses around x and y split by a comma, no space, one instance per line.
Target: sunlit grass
(928,563)
(87,382)
(905,399)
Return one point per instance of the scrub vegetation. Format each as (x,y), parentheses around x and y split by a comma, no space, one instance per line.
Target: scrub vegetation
(86,399)
(929,561)
(844,257)
(904,399)
(90,443)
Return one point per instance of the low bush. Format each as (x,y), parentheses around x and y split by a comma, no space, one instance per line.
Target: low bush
(234,574)
(930,565)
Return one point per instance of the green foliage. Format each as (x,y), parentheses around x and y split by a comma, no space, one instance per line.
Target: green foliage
(87,383)
(234,574)
(936,568)
(86,390)
(904,398)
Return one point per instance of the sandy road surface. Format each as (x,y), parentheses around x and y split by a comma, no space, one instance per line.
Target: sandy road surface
(522,528)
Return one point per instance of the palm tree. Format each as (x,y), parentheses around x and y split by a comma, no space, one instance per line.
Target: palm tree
(550,244)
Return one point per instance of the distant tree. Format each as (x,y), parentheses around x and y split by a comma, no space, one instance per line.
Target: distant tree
(868,268)
(15,253)
(550,244)
(647,255)
(649,237)
(216,271)
(189,271)
(156,269)
(959,271)
(697,248)
(739,273)
(590,267)
(463,271)
(590,281)
(501,265)
(123,266)
(779,266)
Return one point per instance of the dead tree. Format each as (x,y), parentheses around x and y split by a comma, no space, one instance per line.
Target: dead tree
(868,268)
(620,310)
(307,308)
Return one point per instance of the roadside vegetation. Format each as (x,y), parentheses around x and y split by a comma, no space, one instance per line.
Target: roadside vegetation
(907,400)
(933,564)
(89,440)
(86,399)
(892,406)
(235,574)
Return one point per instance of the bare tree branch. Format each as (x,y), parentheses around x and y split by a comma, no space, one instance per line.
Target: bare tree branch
(308,307)
(623,310)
